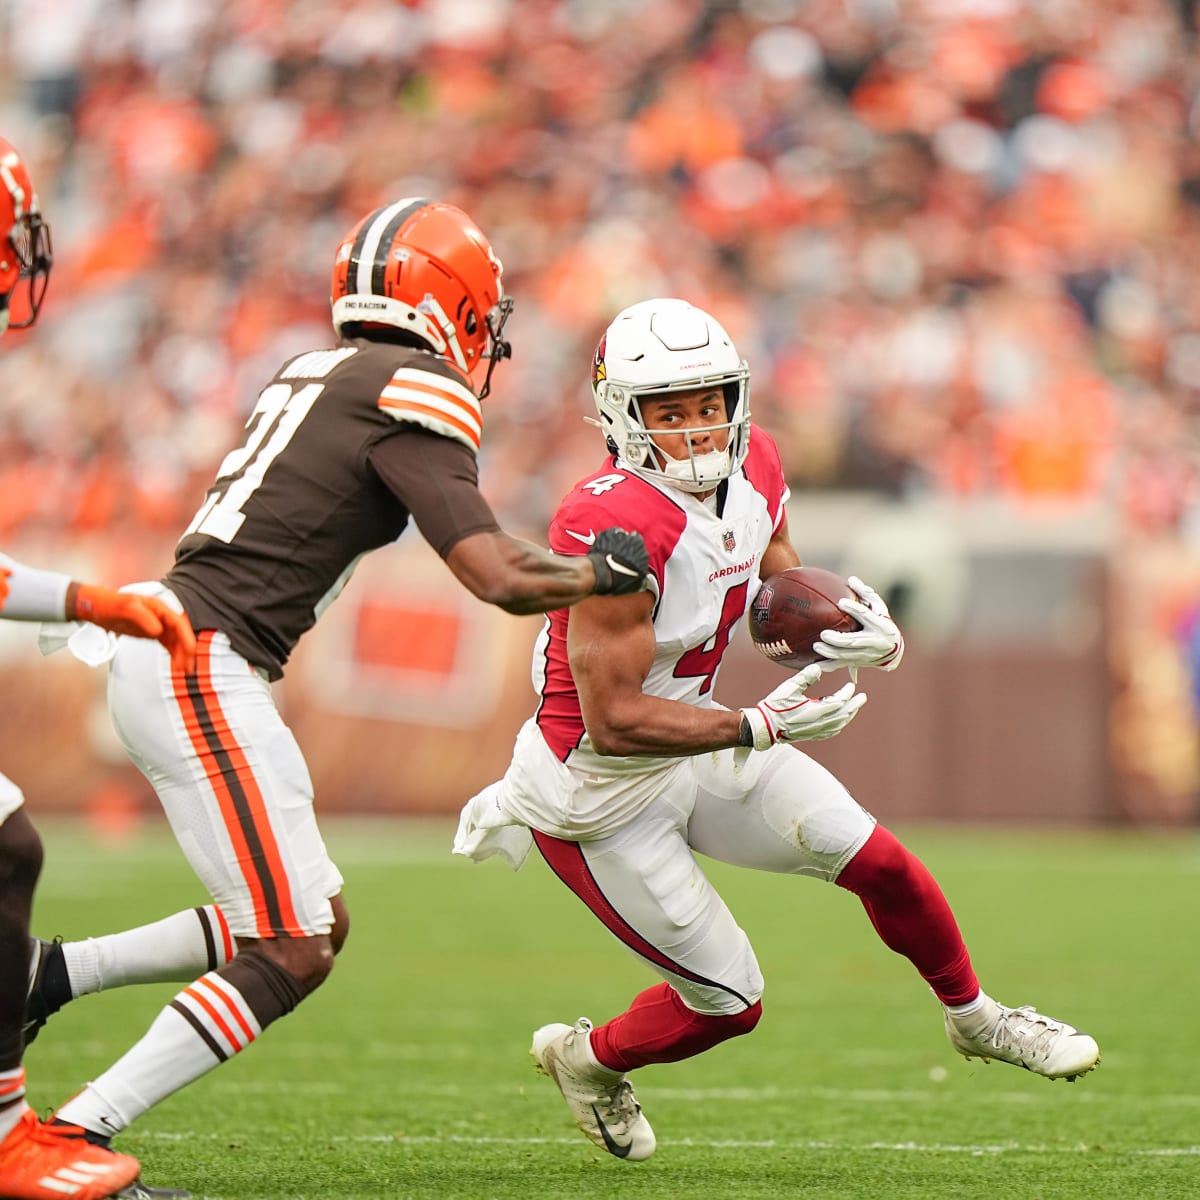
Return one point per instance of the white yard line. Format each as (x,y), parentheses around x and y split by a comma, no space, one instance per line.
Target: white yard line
(725,1144)
(789,1144)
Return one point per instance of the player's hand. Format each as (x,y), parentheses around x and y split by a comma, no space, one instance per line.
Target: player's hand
(134,615)
(621,561)
(879,643)
(788,715)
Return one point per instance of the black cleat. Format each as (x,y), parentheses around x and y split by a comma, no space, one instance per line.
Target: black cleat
(49,985)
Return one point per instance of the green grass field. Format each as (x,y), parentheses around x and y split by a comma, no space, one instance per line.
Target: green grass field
(408,1074)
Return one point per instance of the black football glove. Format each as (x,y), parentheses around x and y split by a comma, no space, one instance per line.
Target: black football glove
(621,561)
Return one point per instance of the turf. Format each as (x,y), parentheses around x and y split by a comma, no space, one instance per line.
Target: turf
(408,1074)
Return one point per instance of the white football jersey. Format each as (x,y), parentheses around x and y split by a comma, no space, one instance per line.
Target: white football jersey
(704,573)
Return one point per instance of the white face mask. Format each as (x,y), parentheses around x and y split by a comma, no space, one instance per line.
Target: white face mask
(698,472)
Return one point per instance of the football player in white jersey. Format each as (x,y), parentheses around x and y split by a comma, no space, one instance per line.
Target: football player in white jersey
(40,1161)
(629,767)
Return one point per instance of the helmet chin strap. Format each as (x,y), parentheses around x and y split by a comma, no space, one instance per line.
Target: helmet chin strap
(696,473)
(431,308)
(705,470)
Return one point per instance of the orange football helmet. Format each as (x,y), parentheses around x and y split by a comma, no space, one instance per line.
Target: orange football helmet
(25,255)
(425,267)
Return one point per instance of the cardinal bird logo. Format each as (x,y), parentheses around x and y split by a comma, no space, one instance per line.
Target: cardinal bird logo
(599,371)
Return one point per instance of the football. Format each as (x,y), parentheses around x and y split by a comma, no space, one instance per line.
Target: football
(792,608)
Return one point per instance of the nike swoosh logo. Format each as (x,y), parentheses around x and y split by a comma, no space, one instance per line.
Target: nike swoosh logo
(612,1147)
(587,539)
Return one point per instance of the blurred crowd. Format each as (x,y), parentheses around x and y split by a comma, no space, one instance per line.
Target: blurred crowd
(958,240)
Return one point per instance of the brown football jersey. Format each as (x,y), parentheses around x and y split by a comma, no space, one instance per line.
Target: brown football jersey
(342,447)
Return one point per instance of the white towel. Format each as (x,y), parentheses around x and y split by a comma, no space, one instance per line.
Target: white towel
(87,642)
(484,829)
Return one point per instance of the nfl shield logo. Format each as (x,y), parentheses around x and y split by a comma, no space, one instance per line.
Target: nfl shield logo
(728,541)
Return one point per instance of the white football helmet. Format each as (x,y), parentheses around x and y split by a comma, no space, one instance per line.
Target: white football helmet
(662,346)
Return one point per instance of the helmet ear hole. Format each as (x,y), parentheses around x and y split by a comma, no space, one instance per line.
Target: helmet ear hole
(471,324)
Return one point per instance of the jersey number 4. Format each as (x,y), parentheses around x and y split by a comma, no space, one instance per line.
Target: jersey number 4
(703,660)
(274,421)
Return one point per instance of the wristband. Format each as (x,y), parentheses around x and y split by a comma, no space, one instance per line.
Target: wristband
(604,575)
(756,730)
(33,594)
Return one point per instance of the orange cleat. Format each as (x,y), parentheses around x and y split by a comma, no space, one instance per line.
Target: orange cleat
(55,1162)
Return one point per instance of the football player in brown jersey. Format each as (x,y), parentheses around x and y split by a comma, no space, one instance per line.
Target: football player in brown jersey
(344,446)
(39,1161)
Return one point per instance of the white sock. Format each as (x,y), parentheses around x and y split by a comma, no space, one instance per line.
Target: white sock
(12,1100)
(207,1023)
(177,948)
(965,1010)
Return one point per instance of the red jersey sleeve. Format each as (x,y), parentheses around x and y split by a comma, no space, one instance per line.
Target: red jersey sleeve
(612,497)
(764,470)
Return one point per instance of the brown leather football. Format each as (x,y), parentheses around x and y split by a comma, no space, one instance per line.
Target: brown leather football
(792,608)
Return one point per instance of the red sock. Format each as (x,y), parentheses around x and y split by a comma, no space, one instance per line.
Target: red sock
(911,915)
(658,1027)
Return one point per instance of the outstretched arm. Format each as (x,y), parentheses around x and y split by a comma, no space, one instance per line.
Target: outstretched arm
(521,578)
(28,594)
(436,479)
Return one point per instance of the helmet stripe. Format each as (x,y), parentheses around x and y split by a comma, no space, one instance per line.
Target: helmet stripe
(368,274)
(15,190)
(386,236)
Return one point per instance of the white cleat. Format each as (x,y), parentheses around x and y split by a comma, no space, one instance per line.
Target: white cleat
(601,1100)
(1025,1038)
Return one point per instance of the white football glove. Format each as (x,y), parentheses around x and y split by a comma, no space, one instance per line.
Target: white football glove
(788,715)
(879,643)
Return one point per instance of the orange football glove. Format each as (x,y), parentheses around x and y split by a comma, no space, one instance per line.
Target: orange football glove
(4,574)
(135,616)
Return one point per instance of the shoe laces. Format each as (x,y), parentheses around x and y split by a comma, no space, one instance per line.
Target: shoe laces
(616,1100)
(1026,1031)
(619,1106)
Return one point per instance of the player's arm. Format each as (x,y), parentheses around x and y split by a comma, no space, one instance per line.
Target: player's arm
(436,479)
(521,578)
(28,594)
(610,648)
